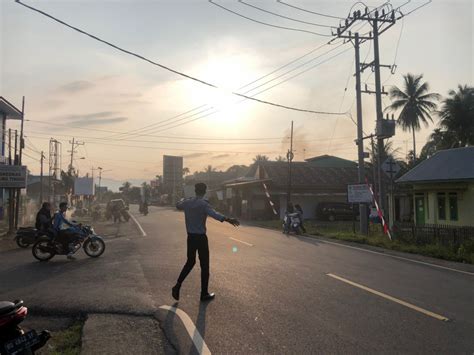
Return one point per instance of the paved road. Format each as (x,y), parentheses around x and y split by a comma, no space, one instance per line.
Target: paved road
(274,294)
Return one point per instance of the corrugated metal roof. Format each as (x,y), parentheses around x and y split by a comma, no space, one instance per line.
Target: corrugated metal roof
(9,110)
(446,165)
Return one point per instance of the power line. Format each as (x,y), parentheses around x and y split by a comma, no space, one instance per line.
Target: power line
(165,67)
(285,17)
(268,24)
(158,124)
(281,82)
(148,135)
(311,12)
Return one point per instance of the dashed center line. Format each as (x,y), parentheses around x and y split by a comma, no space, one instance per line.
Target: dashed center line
(241,241)
(388,297)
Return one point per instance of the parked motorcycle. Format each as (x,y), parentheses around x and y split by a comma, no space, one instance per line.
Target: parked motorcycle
(13,339)
(48,246)
(25,236)
(292,223)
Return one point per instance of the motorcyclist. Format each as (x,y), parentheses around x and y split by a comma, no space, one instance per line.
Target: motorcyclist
(300,213)
(44,221)
(67,231)
(289,211)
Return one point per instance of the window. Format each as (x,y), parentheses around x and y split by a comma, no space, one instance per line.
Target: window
(453,206)
(441,206)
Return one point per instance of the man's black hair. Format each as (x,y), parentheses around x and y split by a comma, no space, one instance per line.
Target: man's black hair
(63,204)
(200,188)
(45,204)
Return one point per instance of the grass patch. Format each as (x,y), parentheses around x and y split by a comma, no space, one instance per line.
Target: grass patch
(343,231)
(64,342)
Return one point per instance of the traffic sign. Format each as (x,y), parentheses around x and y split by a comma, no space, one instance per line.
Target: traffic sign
(359,193)
(390,167)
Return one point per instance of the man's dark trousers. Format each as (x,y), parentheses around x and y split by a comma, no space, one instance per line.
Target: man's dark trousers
(199,243)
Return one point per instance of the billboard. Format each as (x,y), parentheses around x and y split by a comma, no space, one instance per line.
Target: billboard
(12,176)
(172,174)
(359,193)
(84,186)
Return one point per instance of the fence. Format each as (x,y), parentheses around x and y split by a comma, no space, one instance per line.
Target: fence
(448,236)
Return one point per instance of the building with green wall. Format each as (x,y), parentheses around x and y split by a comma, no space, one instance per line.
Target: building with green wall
(443,188)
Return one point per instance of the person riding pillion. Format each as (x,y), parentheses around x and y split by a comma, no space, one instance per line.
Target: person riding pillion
(196,210)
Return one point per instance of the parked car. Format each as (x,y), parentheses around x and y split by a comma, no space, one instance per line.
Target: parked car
(332,211)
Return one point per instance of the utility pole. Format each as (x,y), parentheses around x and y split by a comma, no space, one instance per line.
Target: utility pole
(100,179)
(20,153)
(74,145)
(380,22)
(289,157)
(41,177)
(360,143)
(378,110)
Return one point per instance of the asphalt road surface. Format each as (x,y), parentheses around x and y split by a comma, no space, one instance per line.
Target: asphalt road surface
(275,294)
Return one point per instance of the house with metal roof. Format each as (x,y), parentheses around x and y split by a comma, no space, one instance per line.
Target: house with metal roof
(443,188)
(320,179)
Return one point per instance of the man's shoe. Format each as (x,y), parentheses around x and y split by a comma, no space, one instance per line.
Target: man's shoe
(175,292)
(207,297)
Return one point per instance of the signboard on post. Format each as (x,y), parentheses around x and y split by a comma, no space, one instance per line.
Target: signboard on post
(359,193)
(84,186)
(12,176)
(173,175)
(390,167)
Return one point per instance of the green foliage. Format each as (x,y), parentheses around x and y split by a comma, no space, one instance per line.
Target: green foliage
(64,342)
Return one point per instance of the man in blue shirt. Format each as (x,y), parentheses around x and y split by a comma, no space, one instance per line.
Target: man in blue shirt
(66,230)
(196,210)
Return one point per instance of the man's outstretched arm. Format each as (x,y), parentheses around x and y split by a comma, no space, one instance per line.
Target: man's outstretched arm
(220,217)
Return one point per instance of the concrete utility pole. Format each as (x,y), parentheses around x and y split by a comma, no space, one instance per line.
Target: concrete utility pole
(100,179)
(379,23)
(41,177)
(290,156)
(360,143)
(74,145)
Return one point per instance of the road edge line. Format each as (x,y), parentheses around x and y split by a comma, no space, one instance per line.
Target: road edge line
(390,298)
(194,334)
(140,228)
(388,255)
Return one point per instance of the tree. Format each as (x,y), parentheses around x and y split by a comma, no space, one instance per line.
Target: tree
(260,158)
(388,151)
(186,171)
(415,104)
(457,115)
(280,158)
(439,140)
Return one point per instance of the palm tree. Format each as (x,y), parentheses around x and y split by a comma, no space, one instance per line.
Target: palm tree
(457,114)
(415,104)
(186,171)
(280,158)
(260,158)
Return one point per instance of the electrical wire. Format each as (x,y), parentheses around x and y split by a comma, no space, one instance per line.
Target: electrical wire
(159,124)
(285,17)
(168,68)
(268,24)
(311,12)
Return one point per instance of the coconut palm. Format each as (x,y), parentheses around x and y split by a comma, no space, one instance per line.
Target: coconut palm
(259,158)
(415,104)
(457,114)
(280,158)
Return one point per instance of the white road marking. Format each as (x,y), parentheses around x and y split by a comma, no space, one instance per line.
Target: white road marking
(391,256)
(241,241)
(197,339)
(138,225)
(388,297)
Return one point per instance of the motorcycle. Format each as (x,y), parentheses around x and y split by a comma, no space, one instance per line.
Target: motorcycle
(292,223)
(13,339)
(26,236)
(48,246)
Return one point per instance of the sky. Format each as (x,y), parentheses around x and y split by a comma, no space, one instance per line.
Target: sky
(129,113)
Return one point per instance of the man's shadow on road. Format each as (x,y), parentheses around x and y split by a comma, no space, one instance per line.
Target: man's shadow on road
(200,328)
